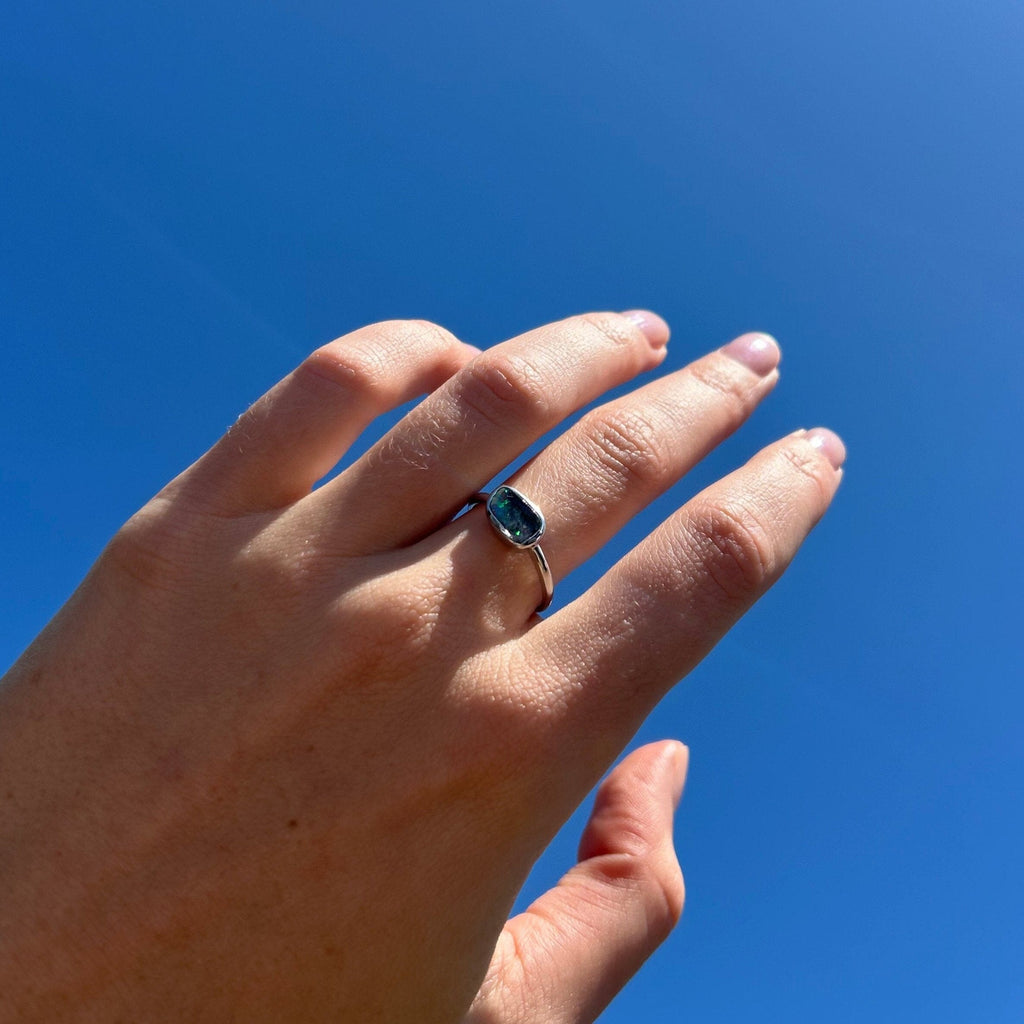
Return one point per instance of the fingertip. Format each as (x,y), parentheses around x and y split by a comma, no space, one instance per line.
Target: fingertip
(674,762)
(680,751)
(829,443)
(664,763)
(680,754)
(756,350)
(670,768)
(654,327)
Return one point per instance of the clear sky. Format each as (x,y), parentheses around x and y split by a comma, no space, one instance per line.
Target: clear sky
(195,195)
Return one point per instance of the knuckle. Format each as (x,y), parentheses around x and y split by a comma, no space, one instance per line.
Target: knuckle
(668,892)
(627,443)
(424,333)
(152,548)
(736,550)
(717,376)
(505,388)
(285,581)
(411,617)
(392,334)
(814,467)
(395,615)
(362,365)
(611,328)
(358,370)
(655,880)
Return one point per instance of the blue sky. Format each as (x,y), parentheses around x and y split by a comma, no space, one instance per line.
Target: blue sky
(194,197)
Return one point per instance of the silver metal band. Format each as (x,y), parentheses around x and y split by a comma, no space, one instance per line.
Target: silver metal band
(520,524)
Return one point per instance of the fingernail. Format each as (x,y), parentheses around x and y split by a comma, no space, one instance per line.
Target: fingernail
(757,352)
(656,330)
(680,764)
(829,444)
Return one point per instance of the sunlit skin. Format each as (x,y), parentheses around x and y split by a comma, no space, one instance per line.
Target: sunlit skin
(289,752)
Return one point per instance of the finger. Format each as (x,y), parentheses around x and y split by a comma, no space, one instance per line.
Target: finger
(562,960)
(652,617)
(299,429)
(428,466)
(618,458)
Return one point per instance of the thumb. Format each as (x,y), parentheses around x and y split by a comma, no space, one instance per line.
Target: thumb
(564,958)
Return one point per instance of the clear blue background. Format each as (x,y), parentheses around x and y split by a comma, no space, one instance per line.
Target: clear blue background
(195,195)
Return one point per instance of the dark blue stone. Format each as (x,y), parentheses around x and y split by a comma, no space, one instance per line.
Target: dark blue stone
(518,520)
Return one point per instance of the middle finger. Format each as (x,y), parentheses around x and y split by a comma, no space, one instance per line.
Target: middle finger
(448,447)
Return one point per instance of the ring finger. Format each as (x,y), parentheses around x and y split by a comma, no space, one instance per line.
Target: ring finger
(622,455)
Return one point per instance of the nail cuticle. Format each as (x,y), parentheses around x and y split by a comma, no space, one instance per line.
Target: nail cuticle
(653,326)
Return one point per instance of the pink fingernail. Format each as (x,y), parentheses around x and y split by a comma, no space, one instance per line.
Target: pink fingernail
(758,352)
(681,763)
(651,324)
(829,444)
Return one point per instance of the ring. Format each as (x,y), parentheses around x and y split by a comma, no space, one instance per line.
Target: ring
(520,523)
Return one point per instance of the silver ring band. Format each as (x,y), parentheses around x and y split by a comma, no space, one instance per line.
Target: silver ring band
(521,524)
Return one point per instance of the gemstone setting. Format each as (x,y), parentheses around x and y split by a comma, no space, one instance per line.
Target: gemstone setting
(515,517)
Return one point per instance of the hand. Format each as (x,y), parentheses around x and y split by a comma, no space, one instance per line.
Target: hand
(288,753)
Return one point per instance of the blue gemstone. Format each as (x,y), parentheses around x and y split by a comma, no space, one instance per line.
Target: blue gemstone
(517,519)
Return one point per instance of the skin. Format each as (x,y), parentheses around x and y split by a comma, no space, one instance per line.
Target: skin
(288,753)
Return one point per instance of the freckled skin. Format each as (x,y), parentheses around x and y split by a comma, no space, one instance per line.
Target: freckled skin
(278,759)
